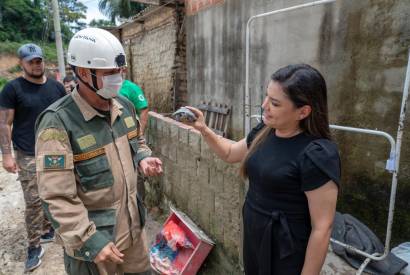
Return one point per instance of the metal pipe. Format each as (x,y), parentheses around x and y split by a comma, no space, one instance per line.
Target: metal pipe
(363,266)
(375,257)
(391,161)
(398,149)
(395,146)
(367,131)
(247,112)
(396,160)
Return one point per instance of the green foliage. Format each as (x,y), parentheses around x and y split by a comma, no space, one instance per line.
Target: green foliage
(14,69)
(49,49)
(101,23)
(8,47)
(116,9)
(71,13)
(20,19)
(32,20)
(3,82)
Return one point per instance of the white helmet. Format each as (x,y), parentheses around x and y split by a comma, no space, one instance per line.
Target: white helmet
(95,48)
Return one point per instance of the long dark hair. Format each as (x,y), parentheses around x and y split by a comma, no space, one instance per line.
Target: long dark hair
(304,85)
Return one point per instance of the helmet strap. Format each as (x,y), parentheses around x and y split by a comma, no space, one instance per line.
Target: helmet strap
(86,84)
(93,77)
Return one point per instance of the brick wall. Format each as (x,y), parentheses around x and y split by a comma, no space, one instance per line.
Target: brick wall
(155,46)
(208,190)
(194,6)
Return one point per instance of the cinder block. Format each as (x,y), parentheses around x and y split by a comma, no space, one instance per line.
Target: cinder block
(185,159)
(183,133)
(203,172)
(164,147)
(217,219)
(160,124)
(152,140)
(194,195)
(221,165)
(169,171)
(206,152)
(173,131)
(173,152)
(195,142)
(231,245)
(206,206)
(152,122)
(206,203)
(165,128)
(232,215)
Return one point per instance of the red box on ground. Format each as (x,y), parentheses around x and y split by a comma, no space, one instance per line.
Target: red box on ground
(188,260)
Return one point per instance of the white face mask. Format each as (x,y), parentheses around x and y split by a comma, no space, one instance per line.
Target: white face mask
(111,86)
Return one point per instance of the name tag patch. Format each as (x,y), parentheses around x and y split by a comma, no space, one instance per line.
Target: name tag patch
(54,162)
(86,141)
(129,122)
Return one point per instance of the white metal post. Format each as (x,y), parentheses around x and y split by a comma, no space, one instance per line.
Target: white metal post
(59,41)
(395,146)
(247,107)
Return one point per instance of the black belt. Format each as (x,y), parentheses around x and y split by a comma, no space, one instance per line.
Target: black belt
(286,243)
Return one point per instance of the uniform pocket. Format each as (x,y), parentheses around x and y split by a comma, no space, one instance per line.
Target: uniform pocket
(104,221)
(94,173)
(27,165)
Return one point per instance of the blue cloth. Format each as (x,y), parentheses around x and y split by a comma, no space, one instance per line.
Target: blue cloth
(162,250)
(403,252)
(349,230)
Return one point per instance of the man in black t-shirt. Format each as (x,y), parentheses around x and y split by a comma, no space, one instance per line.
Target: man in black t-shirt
(21,101)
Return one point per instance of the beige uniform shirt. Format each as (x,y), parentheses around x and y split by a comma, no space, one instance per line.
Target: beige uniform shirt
(86,169)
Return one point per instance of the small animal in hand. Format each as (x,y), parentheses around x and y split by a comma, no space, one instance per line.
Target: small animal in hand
(184,115)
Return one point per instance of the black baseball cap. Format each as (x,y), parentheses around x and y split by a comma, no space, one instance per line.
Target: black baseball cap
(30,51)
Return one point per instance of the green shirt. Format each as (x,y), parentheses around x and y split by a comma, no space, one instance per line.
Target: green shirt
(134,94)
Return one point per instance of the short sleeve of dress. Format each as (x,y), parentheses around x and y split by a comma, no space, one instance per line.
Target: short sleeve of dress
(319,163)
(252,134)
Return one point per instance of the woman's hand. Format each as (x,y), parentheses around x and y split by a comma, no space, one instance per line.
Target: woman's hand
(199,123)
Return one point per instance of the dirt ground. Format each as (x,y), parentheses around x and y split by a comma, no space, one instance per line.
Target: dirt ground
(13,233)
(13,237)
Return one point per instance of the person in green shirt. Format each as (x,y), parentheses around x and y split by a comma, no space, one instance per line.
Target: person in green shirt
(135,94)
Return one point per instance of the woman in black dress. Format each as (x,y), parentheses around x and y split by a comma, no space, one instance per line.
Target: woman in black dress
(293,169)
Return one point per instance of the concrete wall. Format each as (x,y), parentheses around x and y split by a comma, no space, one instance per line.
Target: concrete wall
(361,49)
(209,191)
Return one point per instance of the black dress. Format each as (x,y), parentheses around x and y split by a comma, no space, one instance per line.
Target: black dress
(276,214)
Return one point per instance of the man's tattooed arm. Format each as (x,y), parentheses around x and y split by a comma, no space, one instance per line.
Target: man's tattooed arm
(6,120)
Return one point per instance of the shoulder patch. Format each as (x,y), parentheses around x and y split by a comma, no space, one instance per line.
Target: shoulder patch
(86,141)
(54,162)
(129,122)
(53,134)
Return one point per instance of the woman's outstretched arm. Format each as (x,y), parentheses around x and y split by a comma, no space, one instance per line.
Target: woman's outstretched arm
(226,149)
